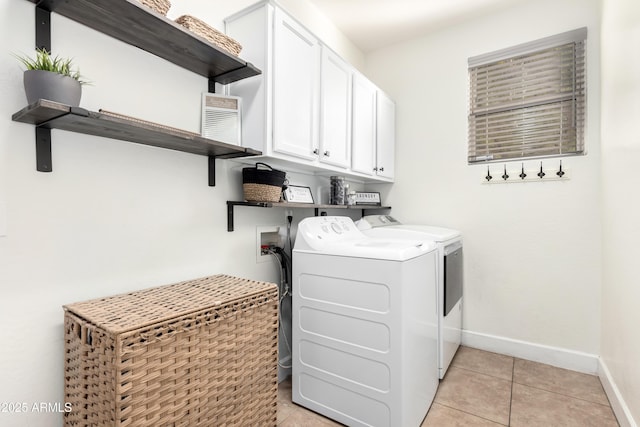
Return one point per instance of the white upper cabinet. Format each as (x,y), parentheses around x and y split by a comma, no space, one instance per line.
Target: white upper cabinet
(385,136)
(295,88)
(373,135)
(363,140)
(309,109)
(335,110)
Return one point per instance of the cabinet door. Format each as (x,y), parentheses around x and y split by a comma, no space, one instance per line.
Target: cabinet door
(363,126)
(386,136)
(295,88)
(335,110)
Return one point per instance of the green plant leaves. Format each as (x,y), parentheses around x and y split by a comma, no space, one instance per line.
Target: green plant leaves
(45,62)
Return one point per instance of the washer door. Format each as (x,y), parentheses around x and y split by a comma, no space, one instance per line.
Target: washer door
(452,276)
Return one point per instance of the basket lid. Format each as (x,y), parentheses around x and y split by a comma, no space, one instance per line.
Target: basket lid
(125,312)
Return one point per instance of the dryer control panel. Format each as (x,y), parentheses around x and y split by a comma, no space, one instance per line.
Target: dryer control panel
(371,221)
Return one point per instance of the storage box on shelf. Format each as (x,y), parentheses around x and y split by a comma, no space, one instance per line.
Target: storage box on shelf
(199,353)
(204,30)
(159,6)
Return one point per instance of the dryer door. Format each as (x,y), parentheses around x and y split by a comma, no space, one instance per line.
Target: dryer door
(452,276)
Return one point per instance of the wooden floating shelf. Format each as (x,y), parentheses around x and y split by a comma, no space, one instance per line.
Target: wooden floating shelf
(46,115)
(316,207)
(131,22)
(52,115)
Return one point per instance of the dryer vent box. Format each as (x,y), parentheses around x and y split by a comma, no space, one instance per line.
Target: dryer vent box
(221,118)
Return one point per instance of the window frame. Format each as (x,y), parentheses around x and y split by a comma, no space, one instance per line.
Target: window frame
(535,107)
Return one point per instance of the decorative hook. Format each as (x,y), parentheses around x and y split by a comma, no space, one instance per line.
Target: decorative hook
(541,174)
(522,174)
(560,172)
(505,176)
(488,177)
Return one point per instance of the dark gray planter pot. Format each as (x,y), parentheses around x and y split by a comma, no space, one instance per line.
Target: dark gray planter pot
(40,84)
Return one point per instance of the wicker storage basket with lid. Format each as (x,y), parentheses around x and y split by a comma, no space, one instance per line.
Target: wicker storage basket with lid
(197,353)
(262,185)
(160,6)
(209,33)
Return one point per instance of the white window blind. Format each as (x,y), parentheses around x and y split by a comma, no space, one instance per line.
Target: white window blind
(528,100)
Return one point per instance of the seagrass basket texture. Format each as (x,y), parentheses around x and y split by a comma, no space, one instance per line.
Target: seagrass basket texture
(261,192)
(160,6)
(197,353)
(209,33)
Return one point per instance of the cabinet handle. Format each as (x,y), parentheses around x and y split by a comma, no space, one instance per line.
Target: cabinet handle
(327,153)
(316,151)
(375,169)
(381,169)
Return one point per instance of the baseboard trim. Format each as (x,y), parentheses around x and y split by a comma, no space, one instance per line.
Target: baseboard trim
(618,404)
(554,356)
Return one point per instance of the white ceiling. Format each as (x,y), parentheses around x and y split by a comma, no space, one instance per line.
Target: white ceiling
(372,24)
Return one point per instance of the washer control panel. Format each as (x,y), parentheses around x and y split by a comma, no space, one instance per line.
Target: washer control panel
(329,228)
(338,235)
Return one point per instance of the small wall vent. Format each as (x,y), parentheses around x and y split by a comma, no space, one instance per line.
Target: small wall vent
(221,118)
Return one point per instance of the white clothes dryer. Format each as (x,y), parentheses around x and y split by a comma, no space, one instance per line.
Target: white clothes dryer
(364,325)
(450,275)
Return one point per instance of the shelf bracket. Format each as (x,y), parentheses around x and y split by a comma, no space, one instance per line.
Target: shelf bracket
(43,29)
(212,160)
(212,171)
(43,149)
(231,205)
(43,135)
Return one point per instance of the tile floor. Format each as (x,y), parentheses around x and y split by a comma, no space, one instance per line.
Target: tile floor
(488,389)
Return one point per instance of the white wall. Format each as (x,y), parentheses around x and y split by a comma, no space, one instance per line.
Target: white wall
(113,216)
(621,206)
(532,251)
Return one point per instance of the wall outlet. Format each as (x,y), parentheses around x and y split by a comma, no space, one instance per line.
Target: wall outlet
(266,236)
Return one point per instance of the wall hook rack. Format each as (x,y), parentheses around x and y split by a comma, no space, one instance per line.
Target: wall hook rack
(527,174)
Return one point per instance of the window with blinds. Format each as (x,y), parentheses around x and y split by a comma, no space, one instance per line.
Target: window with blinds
(529,100)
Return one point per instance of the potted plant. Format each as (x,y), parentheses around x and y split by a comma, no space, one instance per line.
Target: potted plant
(51,78)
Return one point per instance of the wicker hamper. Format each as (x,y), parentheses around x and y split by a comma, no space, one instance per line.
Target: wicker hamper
(196,353)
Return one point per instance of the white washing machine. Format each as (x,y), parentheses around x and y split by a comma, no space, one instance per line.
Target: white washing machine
(450,275)
(364,325)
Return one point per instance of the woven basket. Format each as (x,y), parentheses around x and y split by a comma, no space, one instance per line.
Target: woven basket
(160,6)
(209,33)
(196,353)
(261,193)
(262,183)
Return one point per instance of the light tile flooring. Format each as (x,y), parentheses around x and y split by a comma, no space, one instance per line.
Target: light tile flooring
(488,389)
